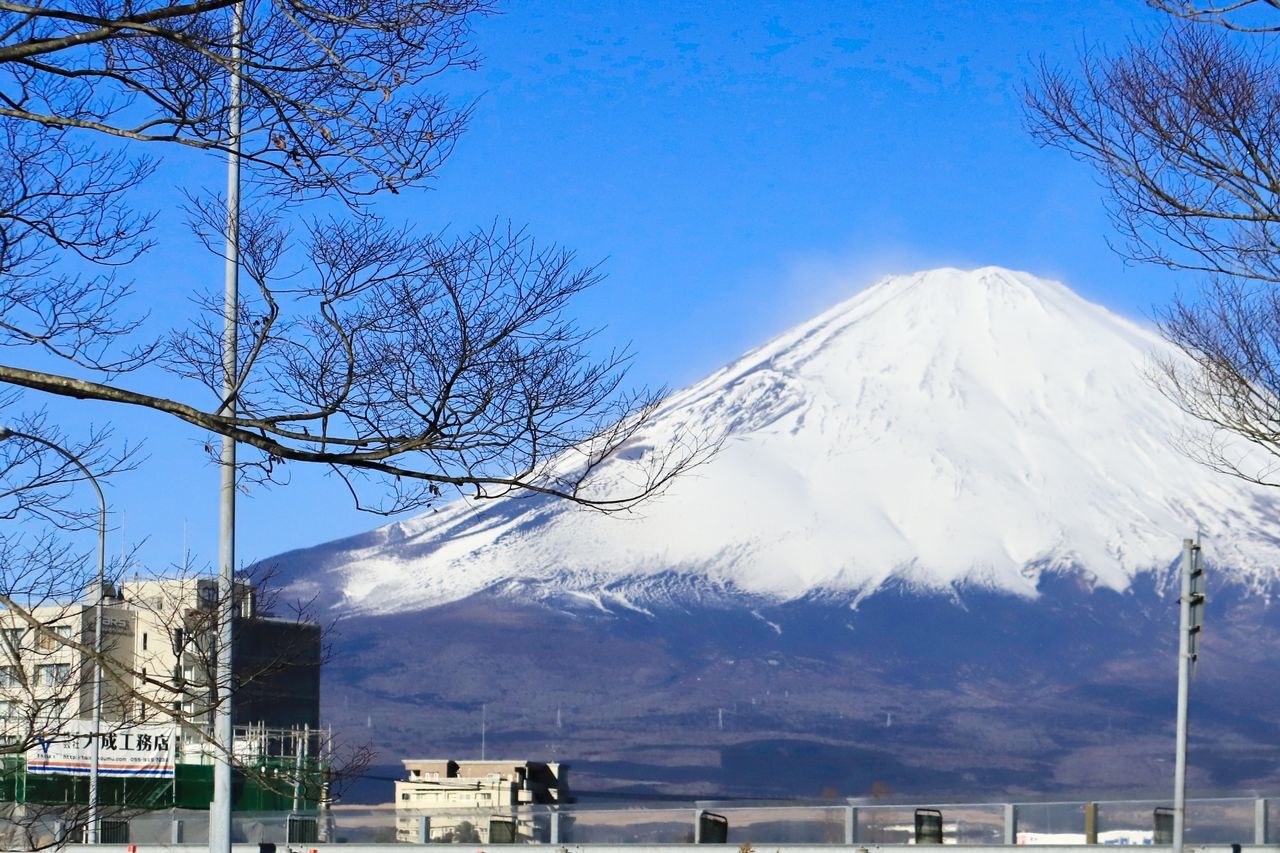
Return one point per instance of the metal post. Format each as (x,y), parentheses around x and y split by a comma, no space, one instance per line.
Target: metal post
(1010,823)
(850,825)
(91,831)
(424,829)
(1090,823)
(95,749)
(697,826)
(220,807)
(555,826)
(1260,821)
(297,771)
(1189,549)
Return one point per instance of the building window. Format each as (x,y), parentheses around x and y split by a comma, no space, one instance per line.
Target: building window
(404,796)
(13,637)
(144,641)
(9,676)
(8,709)
(53,709)
(46,643)
(52,674)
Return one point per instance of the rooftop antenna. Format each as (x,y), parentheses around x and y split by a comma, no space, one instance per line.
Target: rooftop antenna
(482,732)
(557,716)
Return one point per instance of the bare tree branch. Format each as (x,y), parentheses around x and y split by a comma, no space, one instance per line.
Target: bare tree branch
(335,92)
(1184,134)
(1247,16)
(410,363)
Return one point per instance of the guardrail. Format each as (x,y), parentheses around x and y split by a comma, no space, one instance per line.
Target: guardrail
(1210,822)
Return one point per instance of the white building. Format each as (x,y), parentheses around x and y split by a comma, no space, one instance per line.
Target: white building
(476,801)
(159,658)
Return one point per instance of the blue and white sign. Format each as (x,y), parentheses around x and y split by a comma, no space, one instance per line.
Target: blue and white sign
(124,750)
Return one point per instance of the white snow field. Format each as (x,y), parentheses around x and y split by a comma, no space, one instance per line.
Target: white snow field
(980,425)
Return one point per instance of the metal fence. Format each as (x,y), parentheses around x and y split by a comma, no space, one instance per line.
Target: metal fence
(1209,821)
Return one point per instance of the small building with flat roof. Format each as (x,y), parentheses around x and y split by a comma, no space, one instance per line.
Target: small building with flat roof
(481,802)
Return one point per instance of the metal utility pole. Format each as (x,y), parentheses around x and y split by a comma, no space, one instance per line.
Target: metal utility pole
(91,831)
(1191,617)
(220,807)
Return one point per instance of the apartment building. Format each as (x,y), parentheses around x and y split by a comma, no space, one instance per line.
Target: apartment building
(477,801)
(159,641)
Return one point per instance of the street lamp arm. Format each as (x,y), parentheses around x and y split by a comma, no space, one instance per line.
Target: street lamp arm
(6,433)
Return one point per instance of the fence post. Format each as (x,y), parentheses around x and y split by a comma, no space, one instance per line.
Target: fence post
(1260,821)
(1010,824)
(1090,823)
(697,826)
(850,825)
(175,831)
(555,826)
(424,829)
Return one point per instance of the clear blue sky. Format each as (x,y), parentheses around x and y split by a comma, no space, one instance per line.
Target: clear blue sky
(735,168)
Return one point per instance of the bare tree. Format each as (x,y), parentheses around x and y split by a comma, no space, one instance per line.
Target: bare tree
(49,653)
(335,94)
(46,580)
(405,363)
(1184,132)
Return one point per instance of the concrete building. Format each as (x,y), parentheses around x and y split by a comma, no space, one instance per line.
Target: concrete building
(158,640)
(477,801)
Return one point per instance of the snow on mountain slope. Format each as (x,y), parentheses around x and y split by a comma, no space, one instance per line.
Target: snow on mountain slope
(981,425)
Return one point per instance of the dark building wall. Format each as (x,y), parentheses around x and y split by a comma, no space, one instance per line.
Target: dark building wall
(277,667)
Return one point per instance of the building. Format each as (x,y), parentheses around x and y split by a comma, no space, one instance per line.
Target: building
(163,633)
(484,802)
(159,662)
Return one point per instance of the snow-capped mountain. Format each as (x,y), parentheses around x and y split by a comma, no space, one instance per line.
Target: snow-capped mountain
(947,426)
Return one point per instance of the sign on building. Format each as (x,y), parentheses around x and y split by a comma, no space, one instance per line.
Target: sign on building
(146,751)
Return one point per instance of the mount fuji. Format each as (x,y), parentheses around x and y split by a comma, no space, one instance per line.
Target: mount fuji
(934,553)
(981,426)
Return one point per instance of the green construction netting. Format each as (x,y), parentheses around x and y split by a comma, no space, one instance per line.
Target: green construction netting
(268,786)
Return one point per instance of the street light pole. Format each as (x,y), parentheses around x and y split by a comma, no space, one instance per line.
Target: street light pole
(5,433)
(223,732)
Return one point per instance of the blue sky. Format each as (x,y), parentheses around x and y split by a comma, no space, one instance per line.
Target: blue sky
(734,168)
